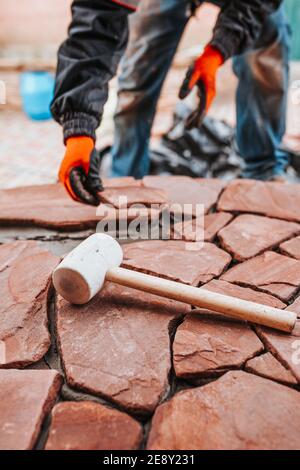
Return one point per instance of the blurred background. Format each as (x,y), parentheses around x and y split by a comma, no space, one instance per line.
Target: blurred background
(29,37)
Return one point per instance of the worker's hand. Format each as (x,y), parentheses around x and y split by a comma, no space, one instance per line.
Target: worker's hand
(79,170)
(203,74)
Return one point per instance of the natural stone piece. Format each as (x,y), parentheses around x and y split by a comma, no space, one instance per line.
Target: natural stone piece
(26,397)
(206,227)
(121,182)
(271,199)
(245,293)
(123,197)
(286,347)
(250,235)
(239,411)
(270,272)
(206,344)
(91,426)
(177,260)
(267,366)
(291,248)
(182,190)
(118,346)
(25,270)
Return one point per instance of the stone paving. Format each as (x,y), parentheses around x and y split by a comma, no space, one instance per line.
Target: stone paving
(131,370)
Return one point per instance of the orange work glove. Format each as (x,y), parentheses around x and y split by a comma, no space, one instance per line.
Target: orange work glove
(79,170)
(203,74)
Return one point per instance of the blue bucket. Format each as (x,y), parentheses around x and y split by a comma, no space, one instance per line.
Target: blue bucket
(37,89)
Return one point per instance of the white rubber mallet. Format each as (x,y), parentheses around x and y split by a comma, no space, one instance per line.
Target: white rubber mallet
(82,273)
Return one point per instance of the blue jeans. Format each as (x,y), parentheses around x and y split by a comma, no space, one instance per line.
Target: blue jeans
(263,74)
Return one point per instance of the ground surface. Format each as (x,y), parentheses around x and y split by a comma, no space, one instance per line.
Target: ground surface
(131,370)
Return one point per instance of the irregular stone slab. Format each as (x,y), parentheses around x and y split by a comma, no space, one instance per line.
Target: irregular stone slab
(233,290)
(121,182)
(118,346)
(25,270)
(286,347)
(207,227)
(205,345)
(182,190)
(239,411)
(177,260)
(90,426)
(123,197)
(250,235)
(267,366)
(291,248)
(26,397)
(272,199)
(269,272)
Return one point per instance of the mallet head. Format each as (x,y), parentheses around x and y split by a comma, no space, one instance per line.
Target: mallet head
(81,275)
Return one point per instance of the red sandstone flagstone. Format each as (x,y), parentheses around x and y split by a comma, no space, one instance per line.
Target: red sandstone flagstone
(271,199)
(177,260)
(118,346)
(267,366)
(25,270)
(123,197)
(26,397)
(207,344)
(291,248)
(206,227)
(239,411)
(270,272)
(286,347)
(91,426)
(250,235)
(184,190)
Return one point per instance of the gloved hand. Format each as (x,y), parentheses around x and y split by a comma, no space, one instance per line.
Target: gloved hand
(203,74)
(79,170)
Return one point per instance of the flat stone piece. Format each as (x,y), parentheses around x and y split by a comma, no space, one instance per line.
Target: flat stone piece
(91,426)
(184,190)
(245,293)
(205,345)
(206,227)
(177,260)
(121,182)
(118,346)
(25,270)
(239,411)
(271,199)
(123,197)
(250,235)
(284,346)
(26,397)
(291,248)
(270,272)
(267,366)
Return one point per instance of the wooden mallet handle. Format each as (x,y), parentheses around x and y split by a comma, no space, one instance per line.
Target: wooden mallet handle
(242,309)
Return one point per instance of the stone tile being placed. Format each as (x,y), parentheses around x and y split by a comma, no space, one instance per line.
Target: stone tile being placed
(25,270)
(184,190)
(291,248)
(123,197)
(271,199)
(286,347)
(239,411)
(26,397)
(206,344)
(250,235)
(270,272)
(177,260)
(118,346)
(204,229)
(267,366)
(90,426)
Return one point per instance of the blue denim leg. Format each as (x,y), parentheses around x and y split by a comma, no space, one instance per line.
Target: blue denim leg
(263,75)
(154,36)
